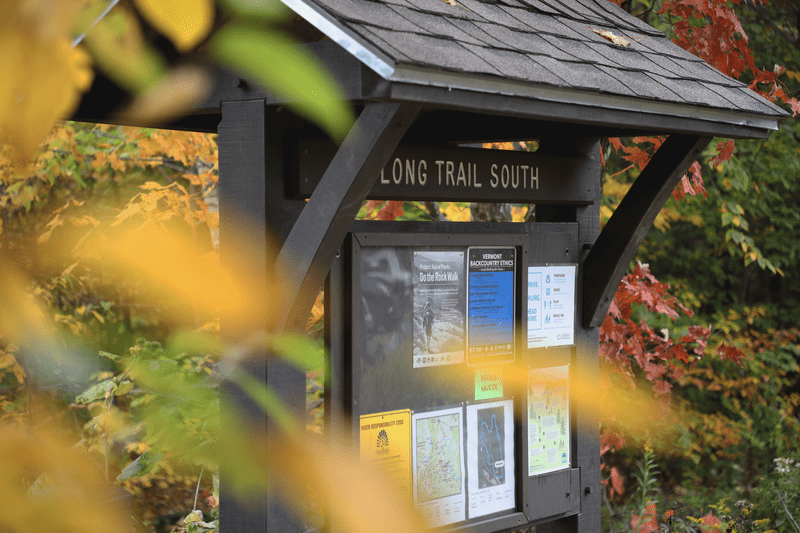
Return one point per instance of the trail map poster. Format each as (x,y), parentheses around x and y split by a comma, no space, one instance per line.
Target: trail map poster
(490,457)
(439,307)
(385,443)
(438,466)
(548,420)
(551,306)
(491,305)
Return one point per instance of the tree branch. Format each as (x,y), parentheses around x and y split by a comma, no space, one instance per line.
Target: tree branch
(786,509)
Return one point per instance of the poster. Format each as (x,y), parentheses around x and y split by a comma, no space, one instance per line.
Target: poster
(490,457)
(439,307)
(488,383)
(385,443)
(548,420)
(490,311)
(551,306)
(438,466)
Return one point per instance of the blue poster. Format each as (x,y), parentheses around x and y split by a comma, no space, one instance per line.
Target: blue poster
(490,311)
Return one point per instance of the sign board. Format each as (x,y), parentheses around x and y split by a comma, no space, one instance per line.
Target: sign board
(442,410)
(438,451)
(551,306)
(461,174)
(548,420)
(490,311)
(385,443)
(490,457)
(439,300)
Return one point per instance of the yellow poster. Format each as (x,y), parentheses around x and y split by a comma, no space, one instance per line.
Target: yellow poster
(386,444)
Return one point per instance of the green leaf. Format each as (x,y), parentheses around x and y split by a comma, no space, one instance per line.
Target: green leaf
(142,465)
(273,61)
(96,392)
(111,356)
(727,218)
(271,10)
(124,388)
(299,350)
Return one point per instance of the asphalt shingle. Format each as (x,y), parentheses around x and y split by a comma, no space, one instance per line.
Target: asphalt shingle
(543,42)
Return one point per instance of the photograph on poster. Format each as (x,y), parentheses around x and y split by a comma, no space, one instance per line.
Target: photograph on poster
(548,420)
(490,311)
(439,308)
(438,466)
(551,306)
(490,457)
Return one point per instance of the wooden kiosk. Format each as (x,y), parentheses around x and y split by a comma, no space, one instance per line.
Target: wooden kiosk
(408,303)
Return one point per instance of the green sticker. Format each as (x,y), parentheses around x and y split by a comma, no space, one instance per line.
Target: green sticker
(488,383)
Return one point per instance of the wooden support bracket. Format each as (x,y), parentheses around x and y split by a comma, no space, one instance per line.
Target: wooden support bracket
(309,250)
(615,248)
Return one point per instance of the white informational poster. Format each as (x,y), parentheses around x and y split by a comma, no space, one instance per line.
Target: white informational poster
(438,466)
(548,420)
(551,306)
(440,303)
(490,457)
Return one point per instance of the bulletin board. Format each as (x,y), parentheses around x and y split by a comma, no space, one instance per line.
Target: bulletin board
(439,330)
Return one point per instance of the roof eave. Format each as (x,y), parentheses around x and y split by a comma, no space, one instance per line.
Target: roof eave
(586,99)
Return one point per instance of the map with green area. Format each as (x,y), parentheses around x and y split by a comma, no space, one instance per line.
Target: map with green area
(438,447)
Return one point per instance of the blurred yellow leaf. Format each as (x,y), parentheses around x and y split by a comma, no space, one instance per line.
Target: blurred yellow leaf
(75,500)
(117,44)
(177,91)
(41,76)
(185,22)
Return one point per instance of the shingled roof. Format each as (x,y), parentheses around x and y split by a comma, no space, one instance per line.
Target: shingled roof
(546,50)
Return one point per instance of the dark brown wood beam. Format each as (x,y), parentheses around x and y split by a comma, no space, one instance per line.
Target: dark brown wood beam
(612,252)
(309,250)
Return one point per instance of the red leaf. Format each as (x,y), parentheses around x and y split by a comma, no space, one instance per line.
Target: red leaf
(724,153)
(616,482)
(391,210)
(731,353)
(711,524)
(795,104)
(661,387)
(646,523)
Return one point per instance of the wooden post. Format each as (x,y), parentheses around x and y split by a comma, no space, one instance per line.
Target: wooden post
(624,232)
(252,202)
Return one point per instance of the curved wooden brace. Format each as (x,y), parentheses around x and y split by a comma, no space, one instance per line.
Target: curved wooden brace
(309,250)
(624,232)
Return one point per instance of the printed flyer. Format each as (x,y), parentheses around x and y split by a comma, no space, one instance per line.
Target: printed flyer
(438,466)
(551,306)
(490,457)
(439,307)
(548,420)
(490,309)
(385,443)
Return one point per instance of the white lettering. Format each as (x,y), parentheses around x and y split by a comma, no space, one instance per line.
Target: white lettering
(439,164)
(515,177)
(494,179)
(410,171)
(535,178)
(449,169)
(422,171)
(475,176)
(397,176)
(462,177)
(383,178)
(505,176)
